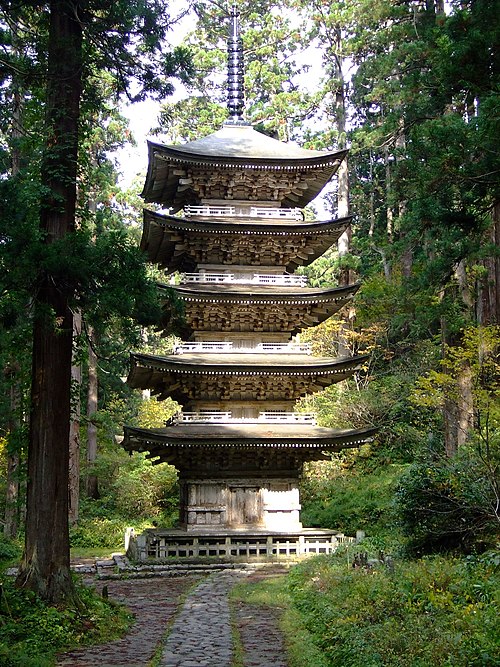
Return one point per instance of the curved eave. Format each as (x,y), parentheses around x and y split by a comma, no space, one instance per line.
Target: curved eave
(165,238)
(246,364)
(162,183)
(185,437)
(246,225)
(172,375)
(247,294)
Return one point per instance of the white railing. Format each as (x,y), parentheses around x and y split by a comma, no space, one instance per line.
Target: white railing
(287,417)
(204,417)
(211,211)
(207,278)
(270,417)
(283,348)
(284,279)
(282,213)
(249,212)
(255,279)
(216,346)
(227,346)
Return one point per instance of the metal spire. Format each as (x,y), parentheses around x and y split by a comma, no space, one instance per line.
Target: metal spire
(235,72)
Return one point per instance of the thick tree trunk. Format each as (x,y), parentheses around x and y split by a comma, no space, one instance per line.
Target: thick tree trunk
(45,564)
(459,409)
(92,480)
(489,291)
(74,436)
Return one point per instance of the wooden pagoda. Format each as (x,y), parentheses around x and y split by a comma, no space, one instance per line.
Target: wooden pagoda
(236,232)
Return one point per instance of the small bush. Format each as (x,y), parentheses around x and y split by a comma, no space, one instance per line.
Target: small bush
(448,504)
(9,550)
(99,532)
(348,502)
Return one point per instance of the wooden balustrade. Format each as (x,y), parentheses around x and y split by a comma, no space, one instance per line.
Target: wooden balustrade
(227,346)
(220,416)
(244,211)
(158,545)
(283,280)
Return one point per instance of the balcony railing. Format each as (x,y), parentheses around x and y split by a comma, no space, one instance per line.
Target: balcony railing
(283,280)
(221,417)
(228,347)
(247,212)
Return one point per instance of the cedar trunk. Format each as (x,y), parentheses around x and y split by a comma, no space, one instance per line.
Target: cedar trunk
(92,480)
(74,435)
(45,564)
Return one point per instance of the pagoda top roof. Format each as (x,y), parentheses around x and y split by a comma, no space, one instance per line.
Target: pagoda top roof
(241,143)
(247,436)
(177,174)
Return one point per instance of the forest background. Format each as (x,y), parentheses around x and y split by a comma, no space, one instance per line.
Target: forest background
(412,89)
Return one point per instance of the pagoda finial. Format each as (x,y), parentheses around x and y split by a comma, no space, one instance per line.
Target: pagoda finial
(235,71)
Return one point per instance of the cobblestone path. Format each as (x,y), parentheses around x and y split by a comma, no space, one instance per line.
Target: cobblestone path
(199,633)
(154,602)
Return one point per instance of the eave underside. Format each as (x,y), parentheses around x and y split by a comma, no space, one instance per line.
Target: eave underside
(202,377)
(174,181)
(198,443)
(230,308)
(177,244)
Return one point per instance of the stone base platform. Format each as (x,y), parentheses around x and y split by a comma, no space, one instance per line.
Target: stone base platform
(156,545)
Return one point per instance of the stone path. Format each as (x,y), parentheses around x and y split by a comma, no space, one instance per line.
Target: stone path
(201,634)
(154,603)
(197,633)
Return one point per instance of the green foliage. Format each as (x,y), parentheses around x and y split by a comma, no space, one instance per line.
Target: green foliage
(31,632)
(350,500)
(133,491)
(451,503)
(10,550)
(96,532)
(429,613)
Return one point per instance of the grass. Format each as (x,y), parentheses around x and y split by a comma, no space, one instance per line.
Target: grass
(93,552)
(301,649)
(433,612)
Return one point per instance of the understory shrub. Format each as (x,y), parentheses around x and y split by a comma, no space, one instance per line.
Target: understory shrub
(449,503)
(9,550)
(348,502)
(434,612)
(32,632)
(99,532)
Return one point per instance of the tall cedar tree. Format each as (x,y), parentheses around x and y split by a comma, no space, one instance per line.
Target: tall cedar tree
(84,37)
(45,565)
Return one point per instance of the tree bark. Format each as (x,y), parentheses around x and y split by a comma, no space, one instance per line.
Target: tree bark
(11,518)
(489,290)
(45,563)
(74,436)
(92,397)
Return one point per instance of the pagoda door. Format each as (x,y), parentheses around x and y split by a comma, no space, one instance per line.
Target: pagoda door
(245,507)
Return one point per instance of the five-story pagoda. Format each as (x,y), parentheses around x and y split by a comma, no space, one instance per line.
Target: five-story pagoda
(236,232)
